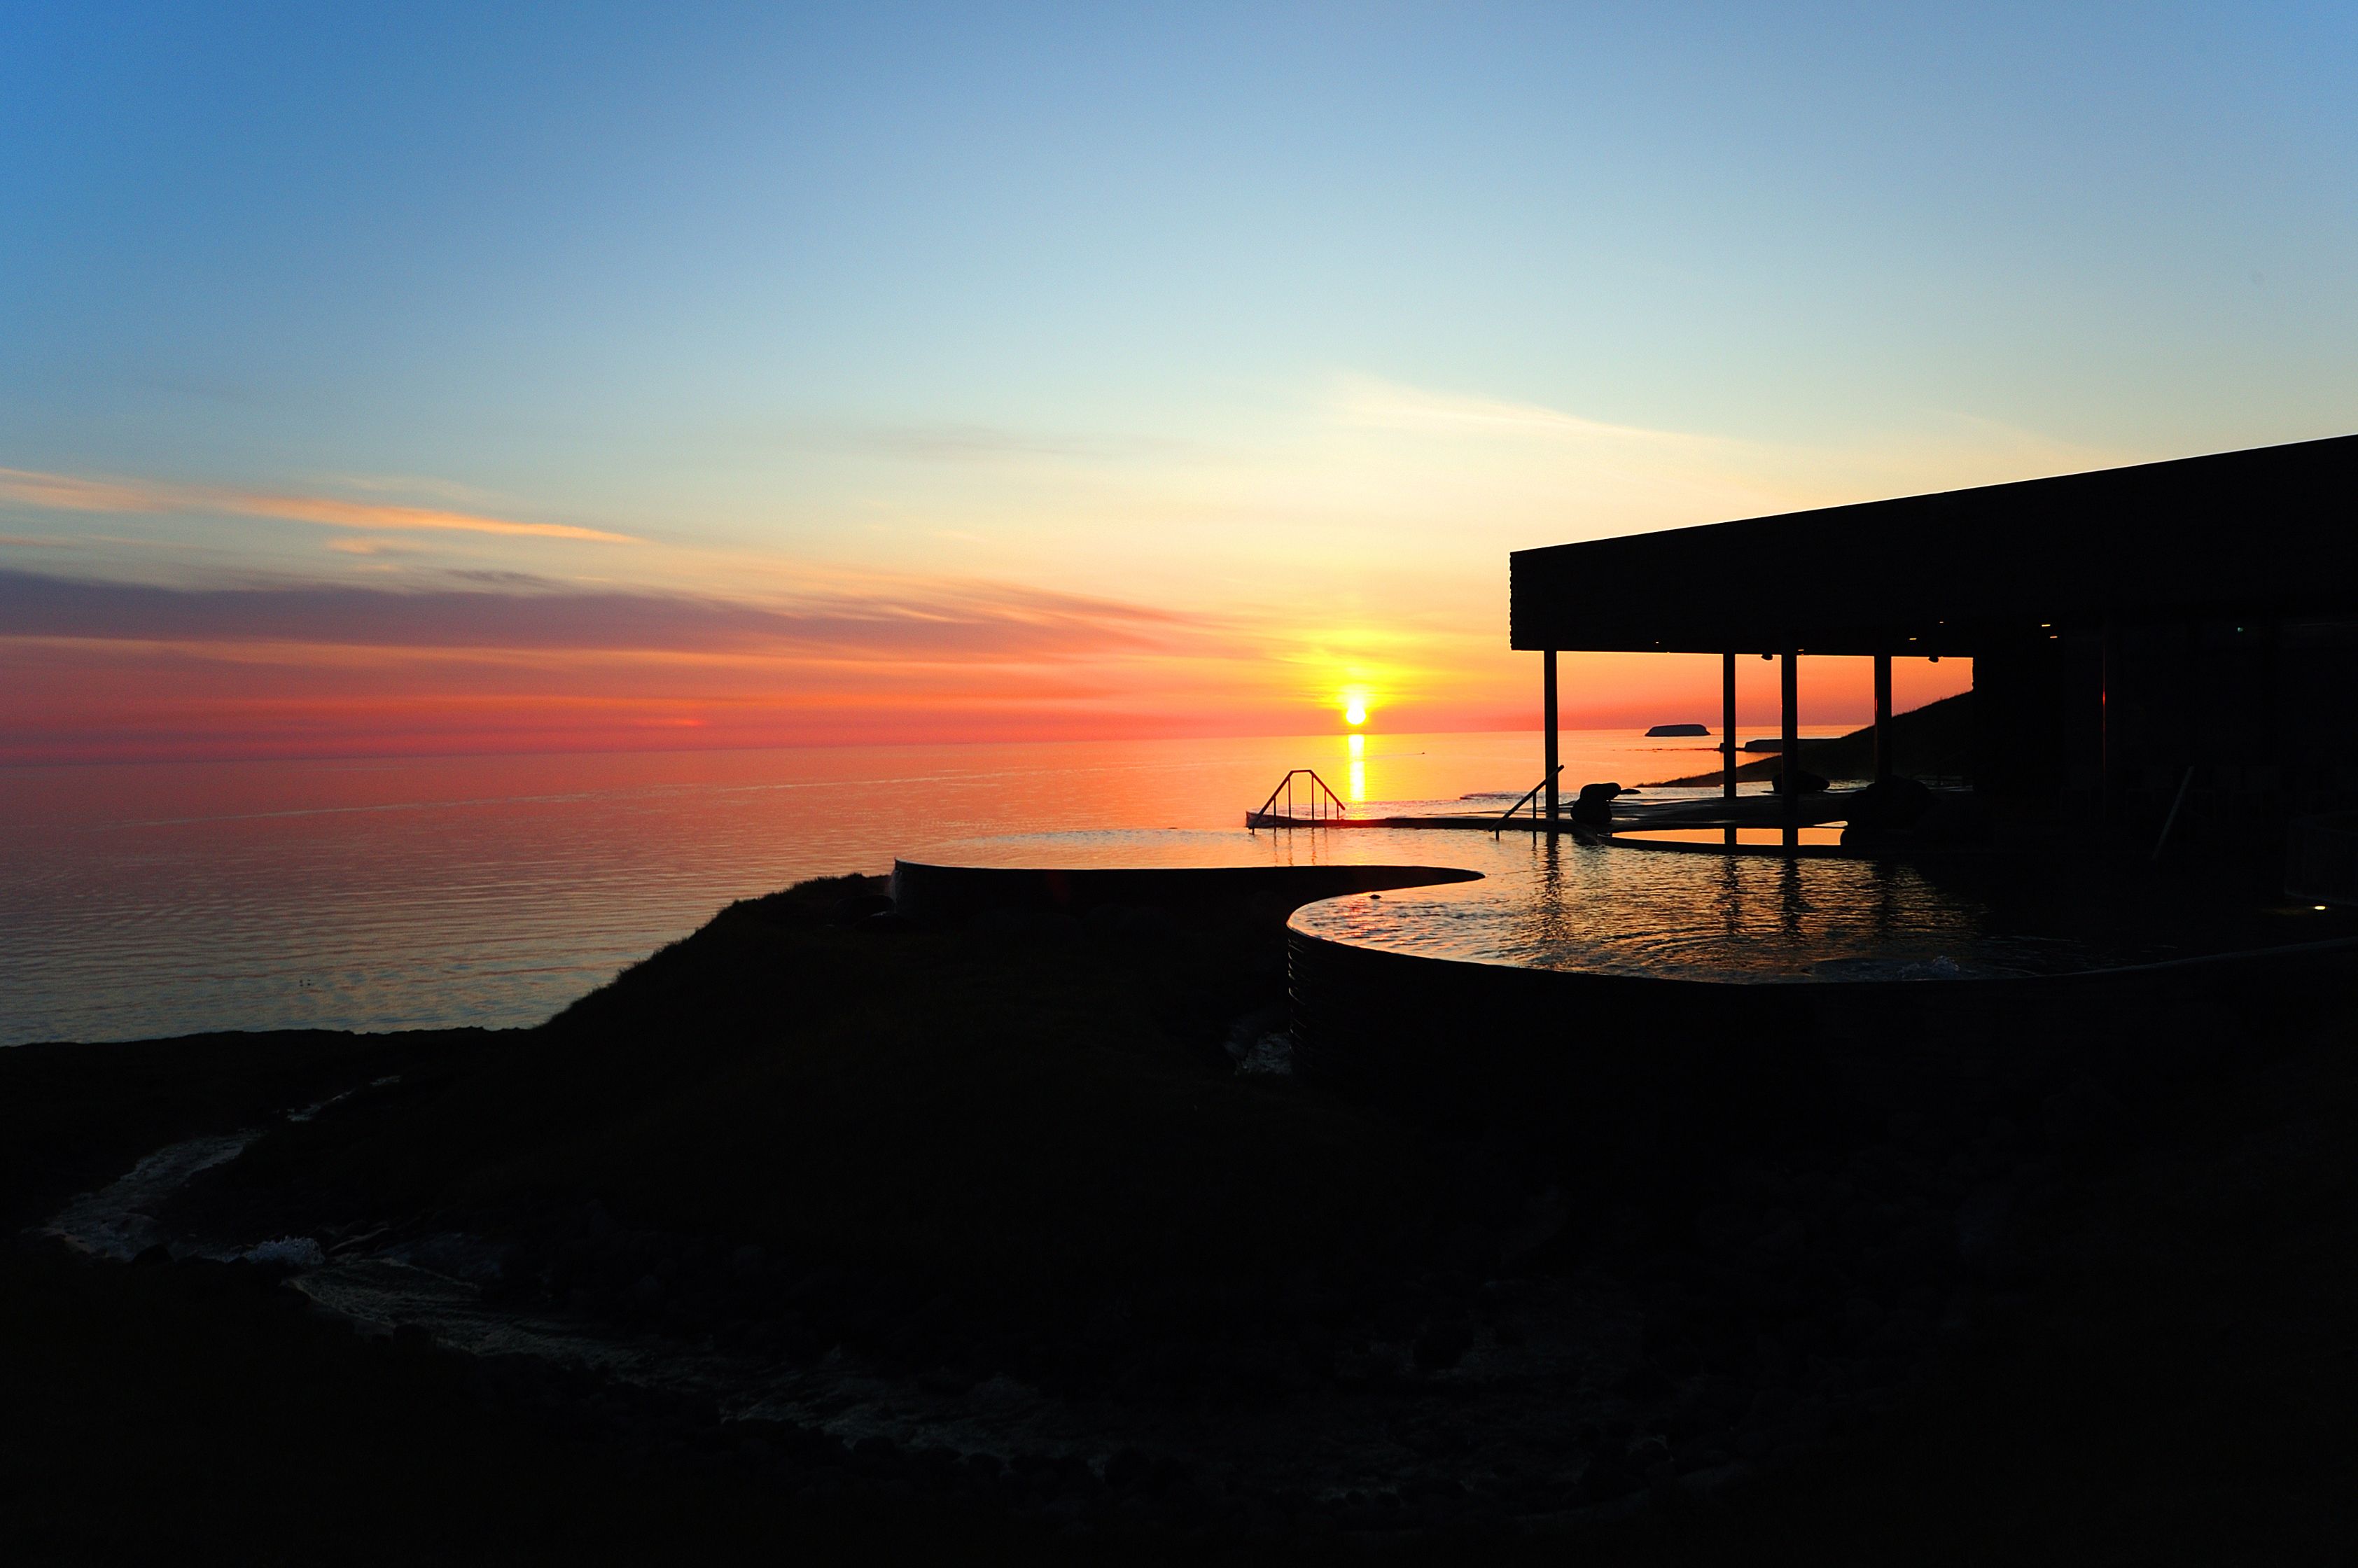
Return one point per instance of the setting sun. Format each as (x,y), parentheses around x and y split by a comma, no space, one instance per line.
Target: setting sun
(1356,714)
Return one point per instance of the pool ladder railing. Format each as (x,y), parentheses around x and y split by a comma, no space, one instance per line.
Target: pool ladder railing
(1322,797)
(1530,798)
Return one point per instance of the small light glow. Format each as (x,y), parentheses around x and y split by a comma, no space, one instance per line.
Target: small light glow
(2319,907)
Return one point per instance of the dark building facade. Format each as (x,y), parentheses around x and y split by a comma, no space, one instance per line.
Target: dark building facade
(2177,636)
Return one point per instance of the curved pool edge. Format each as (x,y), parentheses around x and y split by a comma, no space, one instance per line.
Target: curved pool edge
(1653,1074)
(926,890)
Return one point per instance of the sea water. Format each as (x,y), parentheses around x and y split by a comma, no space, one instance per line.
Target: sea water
(144,900)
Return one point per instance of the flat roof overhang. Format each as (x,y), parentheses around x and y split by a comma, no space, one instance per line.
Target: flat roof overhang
(2270,533)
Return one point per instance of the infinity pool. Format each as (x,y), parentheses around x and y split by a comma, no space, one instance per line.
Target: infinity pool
(1684,914)
(1768,919)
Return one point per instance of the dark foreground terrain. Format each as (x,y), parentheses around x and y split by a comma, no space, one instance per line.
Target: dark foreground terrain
(976,1240)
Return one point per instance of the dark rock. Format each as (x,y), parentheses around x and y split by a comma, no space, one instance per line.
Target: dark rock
(1724,1226)
(945,1382)
(1710,1482)
(1644,1381)
(1724,1396)
(860,907)
(1593,808)
(2079,1114)
(1151,923)
(1862,1316)
(1441,1346)
(1127,1467)
(875,1455)
(1781,1234)
(1892,803)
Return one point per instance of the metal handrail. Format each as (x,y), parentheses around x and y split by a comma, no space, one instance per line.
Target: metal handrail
(1529,795)
(1285,788)
(2170,824)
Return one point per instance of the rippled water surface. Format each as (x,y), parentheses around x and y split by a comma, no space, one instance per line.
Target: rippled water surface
(1619,910)
(161,898)
(139,901)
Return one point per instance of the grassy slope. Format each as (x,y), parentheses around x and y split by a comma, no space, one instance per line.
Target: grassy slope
(2180,1391)
(73,1118)
(1039,1118)
(198,1414)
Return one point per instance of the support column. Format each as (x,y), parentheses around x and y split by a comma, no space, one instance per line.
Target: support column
(1883,763)
(2107,812)
(1728,737)
(1547,719)
(1789,765)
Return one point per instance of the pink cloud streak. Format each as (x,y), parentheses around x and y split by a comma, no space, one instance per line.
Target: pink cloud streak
(73,493)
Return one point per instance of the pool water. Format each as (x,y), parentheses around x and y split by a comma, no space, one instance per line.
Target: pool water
(1621,909)
(1768,919)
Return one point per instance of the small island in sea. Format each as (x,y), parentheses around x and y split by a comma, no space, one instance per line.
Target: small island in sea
(1666,732)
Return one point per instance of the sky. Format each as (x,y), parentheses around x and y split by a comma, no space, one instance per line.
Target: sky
(443,379)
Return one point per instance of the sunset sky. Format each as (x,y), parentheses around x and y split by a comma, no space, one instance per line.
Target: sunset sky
(422,380)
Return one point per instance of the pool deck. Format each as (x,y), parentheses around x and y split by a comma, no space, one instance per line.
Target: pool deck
(1817,809)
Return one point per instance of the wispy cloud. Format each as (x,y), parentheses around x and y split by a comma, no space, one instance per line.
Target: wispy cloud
(1387,406)
(948,622)
(1372,403)
(498,662)
(368,546)
(76,492)
(1619,478)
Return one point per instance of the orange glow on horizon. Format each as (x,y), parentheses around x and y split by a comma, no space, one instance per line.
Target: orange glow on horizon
(90,699)
(218,684)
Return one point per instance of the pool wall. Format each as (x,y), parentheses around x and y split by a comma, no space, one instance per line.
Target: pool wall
(927,891)
(1639,1077)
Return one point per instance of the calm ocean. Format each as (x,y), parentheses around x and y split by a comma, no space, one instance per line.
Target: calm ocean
(142,900)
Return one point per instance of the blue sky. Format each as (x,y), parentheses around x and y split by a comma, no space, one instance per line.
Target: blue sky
(1159,304)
